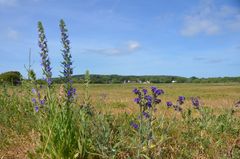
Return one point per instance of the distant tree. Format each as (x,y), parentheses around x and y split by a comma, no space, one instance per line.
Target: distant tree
(11,77)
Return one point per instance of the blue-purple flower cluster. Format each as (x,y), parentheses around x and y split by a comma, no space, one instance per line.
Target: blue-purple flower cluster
(156,92)
(169,104)
(146,115)
(42,42)
(67,62)
(180,101)
(71,92)
(177,107)
(134,125)
(37,101)
(146,100)
(195,102)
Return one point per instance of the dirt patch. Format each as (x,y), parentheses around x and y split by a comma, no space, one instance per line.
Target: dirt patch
(20,148)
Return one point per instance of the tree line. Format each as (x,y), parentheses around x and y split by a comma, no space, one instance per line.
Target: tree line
(15,78)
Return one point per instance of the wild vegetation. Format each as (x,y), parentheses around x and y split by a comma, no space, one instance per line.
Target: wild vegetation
(116,121)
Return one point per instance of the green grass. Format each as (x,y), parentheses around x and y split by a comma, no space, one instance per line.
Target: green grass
(58,132)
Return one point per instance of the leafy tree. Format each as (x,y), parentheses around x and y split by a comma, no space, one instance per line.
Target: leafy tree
(11,77)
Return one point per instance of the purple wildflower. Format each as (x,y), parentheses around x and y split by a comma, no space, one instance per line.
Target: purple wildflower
(34,91)
(42,102)
(181,100)
(67,62)
(34,100)
(134,125)
(195,102)
(169,104)
(158,92)
(149,104)
(148,97)
(149,101)
(136,91)
(144,91)
(49,81)
(137,100)
(44,54)
(69,93)
(145,114)
(36,108)
(153,88)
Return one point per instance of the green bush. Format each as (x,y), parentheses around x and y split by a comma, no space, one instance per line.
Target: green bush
(11,77)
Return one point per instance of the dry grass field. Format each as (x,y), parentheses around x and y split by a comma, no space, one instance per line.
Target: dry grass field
(19,131)
(119,97)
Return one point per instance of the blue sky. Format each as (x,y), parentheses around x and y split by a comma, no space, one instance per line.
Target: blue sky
(127,37)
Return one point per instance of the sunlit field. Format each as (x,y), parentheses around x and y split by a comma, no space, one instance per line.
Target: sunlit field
(20,137)
(120,96)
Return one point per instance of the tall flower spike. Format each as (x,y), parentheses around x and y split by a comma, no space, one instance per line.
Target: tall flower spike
(42,42)
(67,62)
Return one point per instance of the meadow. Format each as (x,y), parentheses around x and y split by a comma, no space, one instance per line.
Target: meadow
(122,121)
(118,96)
(210,132)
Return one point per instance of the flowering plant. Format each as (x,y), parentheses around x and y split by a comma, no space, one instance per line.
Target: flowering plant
(147,101)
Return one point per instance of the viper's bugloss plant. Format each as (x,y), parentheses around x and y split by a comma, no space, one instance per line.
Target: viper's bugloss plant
(66,63)
(45,62)
(177,107)
(147,101)
(37,100)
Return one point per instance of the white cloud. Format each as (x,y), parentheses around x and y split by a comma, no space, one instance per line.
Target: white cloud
(133,45)
(12,34)
(196,25)
(130,47)
(209,20)
(8,2)
(104,51)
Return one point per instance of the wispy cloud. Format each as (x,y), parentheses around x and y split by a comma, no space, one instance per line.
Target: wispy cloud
(209,60)
(133,45)
(130,47)
(209,20)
